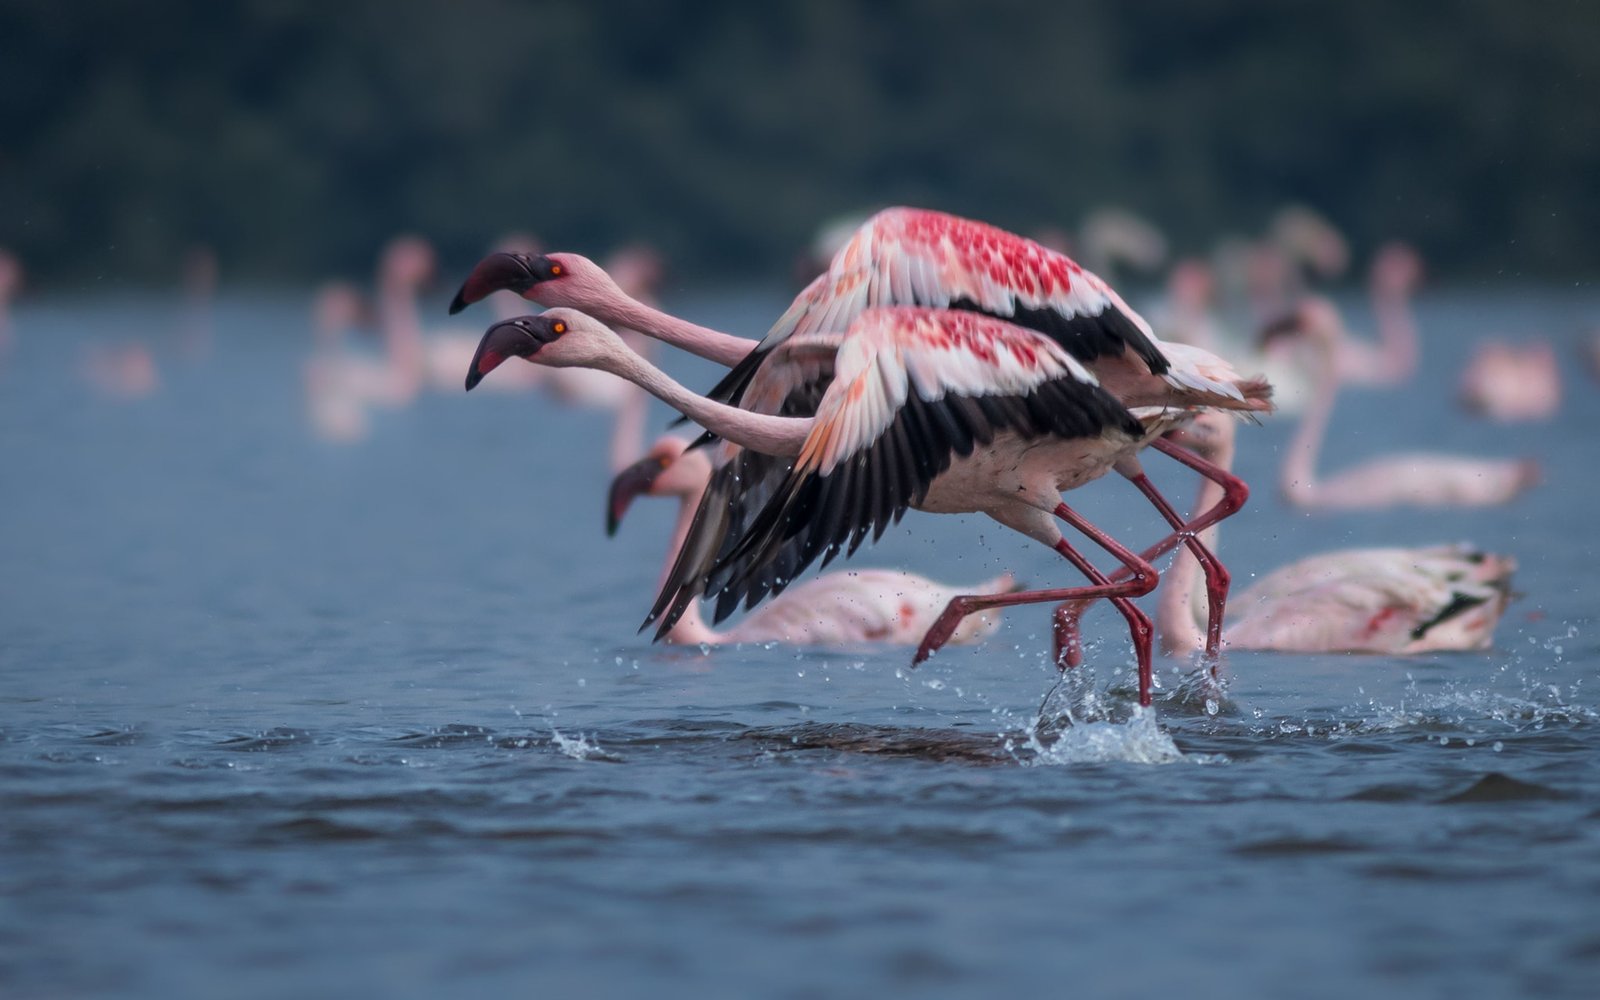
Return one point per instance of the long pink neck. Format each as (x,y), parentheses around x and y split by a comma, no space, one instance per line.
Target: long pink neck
(760,432)
(615,308)
(401,324)
(1298,477)
(691,629)
(1175,618)
(1397,332)
(627,428)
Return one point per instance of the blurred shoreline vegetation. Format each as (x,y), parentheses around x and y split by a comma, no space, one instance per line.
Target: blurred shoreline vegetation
(295,137)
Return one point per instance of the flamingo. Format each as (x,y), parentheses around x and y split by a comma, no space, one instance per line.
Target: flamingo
(636,270)
(916,257)
(1592,353)
(10,283)
(1374,600)
(1509,382)
(1391,361)
(1186,315)
(835,609)
(1310,240)
(943,410)
(124,371)
(1396,271)
(420,358)
(1416,479)
(340,386)
(199,301)
(1111,235)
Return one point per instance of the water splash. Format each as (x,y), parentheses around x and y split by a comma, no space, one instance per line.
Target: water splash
(579,747)
(1139,740)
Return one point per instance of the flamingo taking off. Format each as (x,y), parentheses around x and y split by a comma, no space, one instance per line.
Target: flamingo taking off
(1415,479)
(1512,382)
(943,410)
(841,608)
(916,257)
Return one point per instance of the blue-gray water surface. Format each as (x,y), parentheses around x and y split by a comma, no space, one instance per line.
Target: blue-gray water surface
(280,717)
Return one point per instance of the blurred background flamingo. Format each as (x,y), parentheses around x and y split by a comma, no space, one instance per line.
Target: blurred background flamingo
(1509,382)
(1417,478)
(10,284)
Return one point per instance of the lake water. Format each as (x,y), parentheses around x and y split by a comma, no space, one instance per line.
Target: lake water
(286,718)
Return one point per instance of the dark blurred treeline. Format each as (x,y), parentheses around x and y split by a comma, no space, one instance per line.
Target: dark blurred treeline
(294,136)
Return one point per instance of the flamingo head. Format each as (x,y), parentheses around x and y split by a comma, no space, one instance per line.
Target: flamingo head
(10,274)
(556,338)
(555,279)
(669,468)
(407,261)
(1315,320)
(1396,270)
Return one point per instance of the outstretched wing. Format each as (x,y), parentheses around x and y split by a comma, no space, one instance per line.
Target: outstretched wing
(791,385)
(916,257)
(913,389)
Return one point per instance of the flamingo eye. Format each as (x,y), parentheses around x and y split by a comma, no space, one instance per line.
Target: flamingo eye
(558,327)
(556,270)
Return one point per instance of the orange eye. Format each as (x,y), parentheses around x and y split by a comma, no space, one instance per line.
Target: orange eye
(555,269)
(559,327)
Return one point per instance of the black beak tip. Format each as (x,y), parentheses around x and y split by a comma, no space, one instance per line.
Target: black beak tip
(459,302)
(612,523)
(473,378)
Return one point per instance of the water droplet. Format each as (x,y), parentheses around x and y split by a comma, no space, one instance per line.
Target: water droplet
(1498,746)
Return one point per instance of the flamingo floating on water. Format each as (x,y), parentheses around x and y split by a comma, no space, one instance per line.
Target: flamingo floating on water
(915,257)
(1371,600)
(1512,382)
(836,609)
(943,410)
(1417,479)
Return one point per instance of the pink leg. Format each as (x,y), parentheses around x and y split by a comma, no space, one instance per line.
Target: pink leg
(1235,493)
(1133,566)
(1139,580)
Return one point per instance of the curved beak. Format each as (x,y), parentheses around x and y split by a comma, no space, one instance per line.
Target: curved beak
(1283,326)
(496,272)
(495,347)
(629,483)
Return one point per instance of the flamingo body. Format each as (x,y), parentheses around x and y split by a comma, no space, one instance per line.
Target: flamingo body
(1419,479)
(1382,600)
(860,607)
(1509,383)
